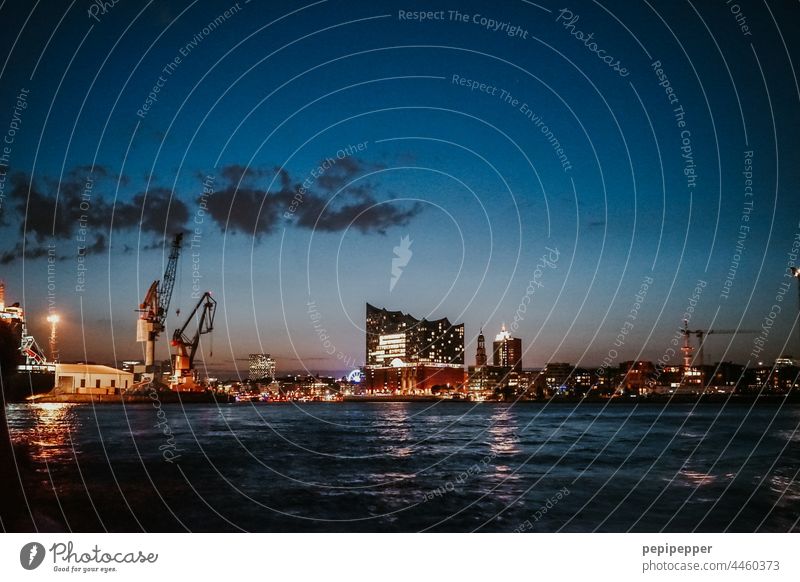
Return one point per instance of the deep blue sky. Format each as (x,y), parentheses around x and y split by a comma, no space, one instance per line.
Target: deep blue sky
(278,87)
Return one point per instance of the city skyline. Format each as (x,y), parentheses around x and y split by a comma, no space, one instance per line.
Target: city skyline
(397,266)
(555,236)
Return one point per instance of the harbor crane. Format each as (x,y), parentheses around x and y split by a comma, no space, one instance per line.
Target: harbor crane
(184,377)
(154,308)
(700,334)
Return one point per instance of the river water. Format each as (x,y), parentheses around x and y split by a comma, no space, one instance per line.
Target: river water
(412,467)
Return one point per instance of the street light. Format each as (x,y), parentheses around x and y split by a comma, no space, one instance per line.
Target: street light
(53,319)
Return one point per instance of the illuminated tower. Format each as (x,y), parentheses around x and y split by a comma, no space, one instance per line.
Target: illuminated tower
(687,348)
(480,354)
(507,350)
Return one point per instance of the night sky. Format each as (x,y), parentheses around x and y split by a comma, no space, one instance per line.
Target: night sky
(572,170)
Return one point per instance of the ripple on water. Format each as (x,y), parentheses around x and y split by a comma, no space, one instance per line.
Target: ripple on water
(696,479)
(331,468)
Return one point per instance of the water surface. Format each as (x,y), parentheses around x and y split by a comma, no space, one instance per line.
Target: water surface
(414,466)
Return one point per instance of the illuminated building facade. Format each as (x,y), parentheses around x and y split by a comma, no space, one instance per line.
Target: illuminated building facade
(507,351)
(637,377)
(393,335)
(261,366)
(411,356)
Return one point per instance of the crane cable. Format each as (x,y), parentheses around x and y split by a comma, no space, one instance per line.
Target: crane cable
(180,286)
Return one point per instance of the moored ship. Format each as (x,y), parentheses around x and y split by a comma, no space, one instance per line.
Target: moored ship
(35,375)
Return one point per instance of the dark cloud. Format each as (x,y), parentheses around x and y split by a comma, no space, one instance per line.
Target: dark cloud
(235,173)
(154,212)
(333,197)
(42,215)
(31,252)
(82,203)
(343,172)
(366,215)
(248,210)
(327,201)
(100,245)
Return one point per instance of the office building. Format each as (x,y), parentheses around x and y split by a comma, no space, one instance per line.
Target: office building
(262,366)
(507,351)
(393,335)
(406,355)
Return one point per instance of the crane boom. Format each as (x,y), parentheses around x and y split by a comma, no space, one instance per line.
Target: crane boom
(168,282)
(701,333)
(154,308)
(186,346)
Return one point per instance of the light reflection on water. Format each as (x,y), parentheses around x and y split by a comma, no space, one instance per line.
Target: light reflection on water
(392,458)
(504,432)
(45,429)
(697,478)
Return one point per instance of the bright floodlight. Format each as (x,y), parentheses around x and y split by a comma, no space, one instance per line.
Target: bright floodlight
(53,318)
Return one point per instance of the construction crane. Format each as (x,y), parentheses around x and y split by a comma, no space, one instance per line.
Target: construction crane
(700,335)
(183,373)
(155,307)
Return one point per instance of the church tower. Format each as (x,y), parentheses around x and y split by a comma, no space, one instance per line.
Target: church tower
(480,354)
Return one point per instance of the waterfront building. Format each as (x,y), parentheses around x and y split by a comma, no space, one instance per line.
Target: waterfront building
(487,379)
(395,335)
(507,350)
(636,377)
(410,356)
(91,379)
(261,366)
(583,380)
(557,377)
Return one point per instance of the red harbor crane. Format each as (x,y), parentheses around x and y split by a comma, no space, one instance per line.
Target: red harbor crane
(184,377)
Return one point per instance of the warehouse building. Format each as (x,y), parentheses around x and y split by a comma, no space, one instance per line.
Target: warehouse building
(91,379)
